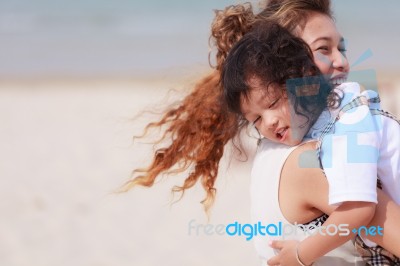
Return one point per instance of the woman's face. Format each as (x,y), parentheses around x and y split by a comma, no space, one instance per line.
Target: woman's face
(328,47)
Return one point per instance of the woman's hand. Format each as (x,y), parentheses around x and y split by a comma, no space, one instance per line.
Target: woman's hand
(286,255)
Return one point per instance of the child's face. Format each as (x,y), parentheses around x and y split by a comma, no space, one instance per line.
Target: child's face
(270,112)
(328,47)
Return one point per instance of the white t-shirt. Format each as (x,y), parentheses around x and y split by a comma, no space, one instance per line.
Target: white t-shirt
(265,210)
(359,148)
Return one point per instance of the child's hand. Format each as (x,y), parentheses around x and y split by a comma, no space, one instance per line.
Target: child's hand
(286,255)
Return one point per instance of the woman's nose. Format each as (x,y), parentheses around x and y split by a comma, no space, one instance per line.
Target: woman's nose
(340,61)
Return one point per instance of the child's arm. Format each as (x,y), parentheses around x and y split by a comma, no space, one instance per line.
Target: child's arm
(387,216)
(314,196)
(355,214)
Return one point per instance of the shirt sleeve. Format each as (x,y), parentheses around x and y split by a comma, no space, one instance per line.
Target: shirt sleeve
(349,156)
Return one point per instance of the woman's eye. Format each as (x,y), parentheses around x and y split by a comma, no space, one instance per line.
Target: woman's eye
(323,48)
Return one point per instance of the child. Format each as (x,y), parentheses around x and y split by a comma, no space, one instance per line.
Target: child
(270,79)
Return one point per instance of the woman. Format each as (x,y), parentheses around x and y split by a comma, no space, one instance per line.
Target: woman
(201,126)
(254,79)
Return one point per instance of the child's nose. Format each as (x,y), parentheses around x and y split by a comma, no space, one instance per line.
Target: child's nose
(270,121)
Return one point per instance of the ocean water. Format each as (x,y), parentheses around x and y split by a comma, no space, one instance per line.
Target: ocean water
(133,38)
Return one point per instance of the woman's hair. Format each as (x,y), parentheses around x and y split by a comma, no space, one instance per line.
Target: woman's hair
(199,129)
(200,126)
(293,14)
(279,61)
(234,21)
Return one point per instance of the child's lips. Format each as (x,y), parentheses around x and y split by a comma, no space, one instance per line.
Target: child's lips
(281,133)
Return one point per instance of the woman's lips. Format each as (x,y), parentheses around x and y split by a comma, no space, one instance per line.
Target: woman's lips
(338,80)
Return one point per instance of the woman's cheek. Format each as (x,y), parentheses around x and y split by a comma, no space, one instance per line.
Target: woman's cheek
(323,62)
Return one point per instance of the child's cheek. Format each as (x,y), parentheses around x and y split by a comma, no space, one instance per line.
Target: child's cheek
(287,110)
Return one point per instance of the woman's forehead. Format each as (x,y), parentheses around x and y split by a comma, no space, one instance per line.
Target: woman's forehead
(319,26)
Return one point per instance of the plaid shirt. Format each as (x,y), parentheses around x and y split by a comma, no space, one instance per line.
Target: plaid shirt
(375,256)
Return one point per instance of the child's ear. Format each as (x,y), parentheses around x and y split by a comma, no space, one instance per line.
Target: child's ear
(284,93)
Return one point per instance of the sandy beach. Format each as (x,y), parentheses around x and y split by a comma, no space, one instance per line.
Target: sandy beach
(67,145)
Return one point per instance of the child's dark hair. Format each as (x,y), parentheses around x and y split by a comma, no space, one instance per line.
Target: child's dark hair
(274,56)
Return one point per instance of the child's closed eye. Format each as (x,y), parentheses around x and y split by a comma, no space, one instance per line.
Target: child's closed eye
(257,119)
(273,103)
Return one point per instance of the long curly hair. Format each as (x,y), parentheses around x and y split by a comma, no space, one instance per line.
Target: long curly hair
(200,126)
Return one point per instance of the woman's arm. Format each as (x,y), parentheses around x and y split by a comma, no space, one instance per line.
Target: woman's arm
(309,187)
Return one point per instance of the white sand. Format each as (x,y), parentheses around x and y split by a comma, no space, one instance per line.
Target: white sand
(65,146)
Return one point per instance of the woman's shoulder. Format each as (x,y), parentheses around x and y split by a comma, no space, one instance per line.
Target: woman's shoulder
(303,182)
(267,148)
(272,151)
(303,157)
